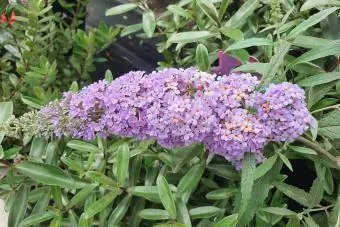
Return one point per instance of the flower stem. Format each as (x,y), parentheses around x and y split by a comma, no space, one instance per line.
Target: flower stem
(319,149)
(337,106)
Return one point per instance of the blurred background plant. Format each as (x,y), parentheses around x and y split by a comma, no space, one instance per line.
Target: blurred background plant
(44,48)
(123,182)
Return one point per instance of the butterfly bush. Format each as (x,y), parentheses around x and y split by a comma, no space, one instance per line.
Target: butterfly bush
(178,107)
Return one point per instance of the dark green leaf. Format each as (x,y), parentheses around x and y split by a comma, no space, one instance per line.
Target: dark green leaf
(316,192)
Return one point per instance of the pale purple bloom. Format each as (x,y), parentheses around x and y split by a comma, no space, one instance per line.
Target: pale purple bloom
(178,107)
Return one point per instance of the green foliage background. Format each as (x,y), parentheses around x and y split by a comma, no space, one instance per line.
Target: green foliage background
(123,182)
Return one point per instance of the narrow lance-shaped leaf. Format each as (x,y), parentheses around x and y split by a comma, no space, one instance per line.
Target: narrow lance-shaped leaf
(247,181)
(274,64)
(312,20)
(202,57)
(80,196)
(37,218)
(149,23)
(166,196)
(292,192)
(6,110)
(317,3)
(265,167)
(189,37)
(323,51)
(207,6)
(229,221)
(204,212)
(120,9)
(183,213)
(223,7)
(118,213)
(279,211)
(190,180)
(319,79)
(239,18)
(101,203)
(250,42)
(18,208)
(48,174)
(122,164)
(316,192)
(154,214)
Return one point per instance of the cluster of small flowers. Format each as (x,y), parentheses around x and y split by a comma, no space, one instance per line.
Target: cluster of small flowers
(181,106)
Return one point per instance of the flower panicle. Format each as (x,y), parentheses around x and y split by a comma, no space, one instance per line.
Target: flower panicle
(178,107)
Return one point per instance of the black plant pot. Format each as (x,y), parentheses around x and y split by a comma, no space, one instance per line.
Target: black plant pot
(127,53)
